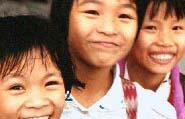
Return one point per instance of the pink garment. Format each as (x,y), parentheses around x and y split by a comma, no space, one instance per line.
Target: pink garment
(178,96)
(122,67)
(178,93)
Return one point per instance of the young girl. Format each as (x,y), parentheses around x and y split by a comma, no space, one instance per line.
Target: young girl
(31,82)
(159,45)
(99,33)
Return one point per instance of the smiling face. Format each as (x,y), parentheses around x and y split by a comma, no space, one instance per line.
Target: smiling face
(101,31)
(160,43)
(37,92)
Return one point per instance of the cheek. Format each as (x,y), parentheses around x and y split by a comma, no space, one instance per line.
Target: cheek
(141,48)
(129,30)
(180,44)
(76,34)
(79,26)
(58,98)
(144,41)
(10,105)
(181,50)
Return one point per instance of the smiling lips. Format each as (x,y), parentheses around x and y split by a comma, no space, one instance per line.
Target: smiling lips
(104,44)
(42,117)
(162,58)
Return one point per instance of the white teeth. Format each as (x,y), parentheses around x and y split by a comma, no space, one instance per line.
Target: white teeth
(162,56)
(44,117)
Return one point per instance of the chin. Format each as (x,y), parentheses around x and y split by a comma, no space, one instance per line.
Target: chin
(161,70)
(105,64)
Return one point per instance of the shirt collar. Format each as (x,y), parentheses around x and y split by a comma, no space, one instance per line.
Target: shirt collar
(113,100)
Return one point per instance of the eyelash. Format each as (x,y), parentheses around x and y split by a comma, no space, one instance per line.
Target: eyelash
(51,83)
(16,87)
(177,28)
(151,27)
(92,12)
(125,16)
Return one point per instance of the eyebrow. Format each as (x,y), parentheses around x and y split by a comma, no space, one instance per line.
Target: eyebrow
(123,5)
(89,1)
(51,74)
(128,5)
(8,77)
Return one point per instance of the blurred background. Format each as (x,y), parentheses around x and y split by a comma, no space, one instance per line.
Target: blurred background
(38,7)
(23,7)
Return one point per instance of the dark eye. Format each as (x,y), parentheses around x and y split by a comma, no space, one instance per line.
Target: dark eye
(177,28)
(151,27)
(50,83)
(17,87)
(92,12)
(124,16)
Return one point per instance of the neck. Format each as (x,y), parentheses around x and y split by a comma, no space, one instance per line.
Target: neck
(145,78)
(98,81)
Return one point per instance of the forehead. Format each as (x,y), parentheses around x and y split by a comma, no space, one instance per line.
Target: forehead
(104,2)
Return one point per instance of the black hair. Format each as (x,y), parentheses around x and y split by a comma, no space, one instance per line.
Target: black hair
(19,36)
(60,13)
(171,5)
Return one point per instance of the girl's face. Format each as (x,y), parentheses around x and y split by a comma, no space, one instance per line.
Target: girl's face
(101,31)
(160,43)
(37,92)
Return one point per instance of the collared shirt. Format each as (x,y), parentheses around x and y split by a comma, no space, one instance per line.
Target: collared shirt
(154,105)
(110,106)
(163,90)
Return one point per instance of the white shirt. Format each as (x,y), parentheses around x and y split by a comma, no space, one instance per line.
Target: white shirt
(154,105)
(110,106)
(163,90)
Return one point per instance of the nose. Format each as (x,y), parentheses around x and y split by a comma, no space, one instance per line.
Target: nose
(36,99)
(164,38)
(107,26)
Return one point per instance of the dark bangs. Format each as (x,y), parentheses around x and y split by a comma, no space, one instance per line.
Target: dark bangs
(142,5)
(18,61)
(171,5)
(19,36)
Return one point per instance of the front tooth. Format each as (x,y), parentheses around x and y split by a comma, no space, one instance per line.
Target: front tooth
(162,56)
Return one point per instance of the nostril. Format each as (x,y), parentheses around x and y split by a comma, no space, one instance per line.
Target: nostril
(107,27)
(36,103)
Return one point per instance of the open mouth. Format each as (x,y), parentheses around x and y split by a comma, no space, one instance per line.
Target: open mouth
(162,58)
